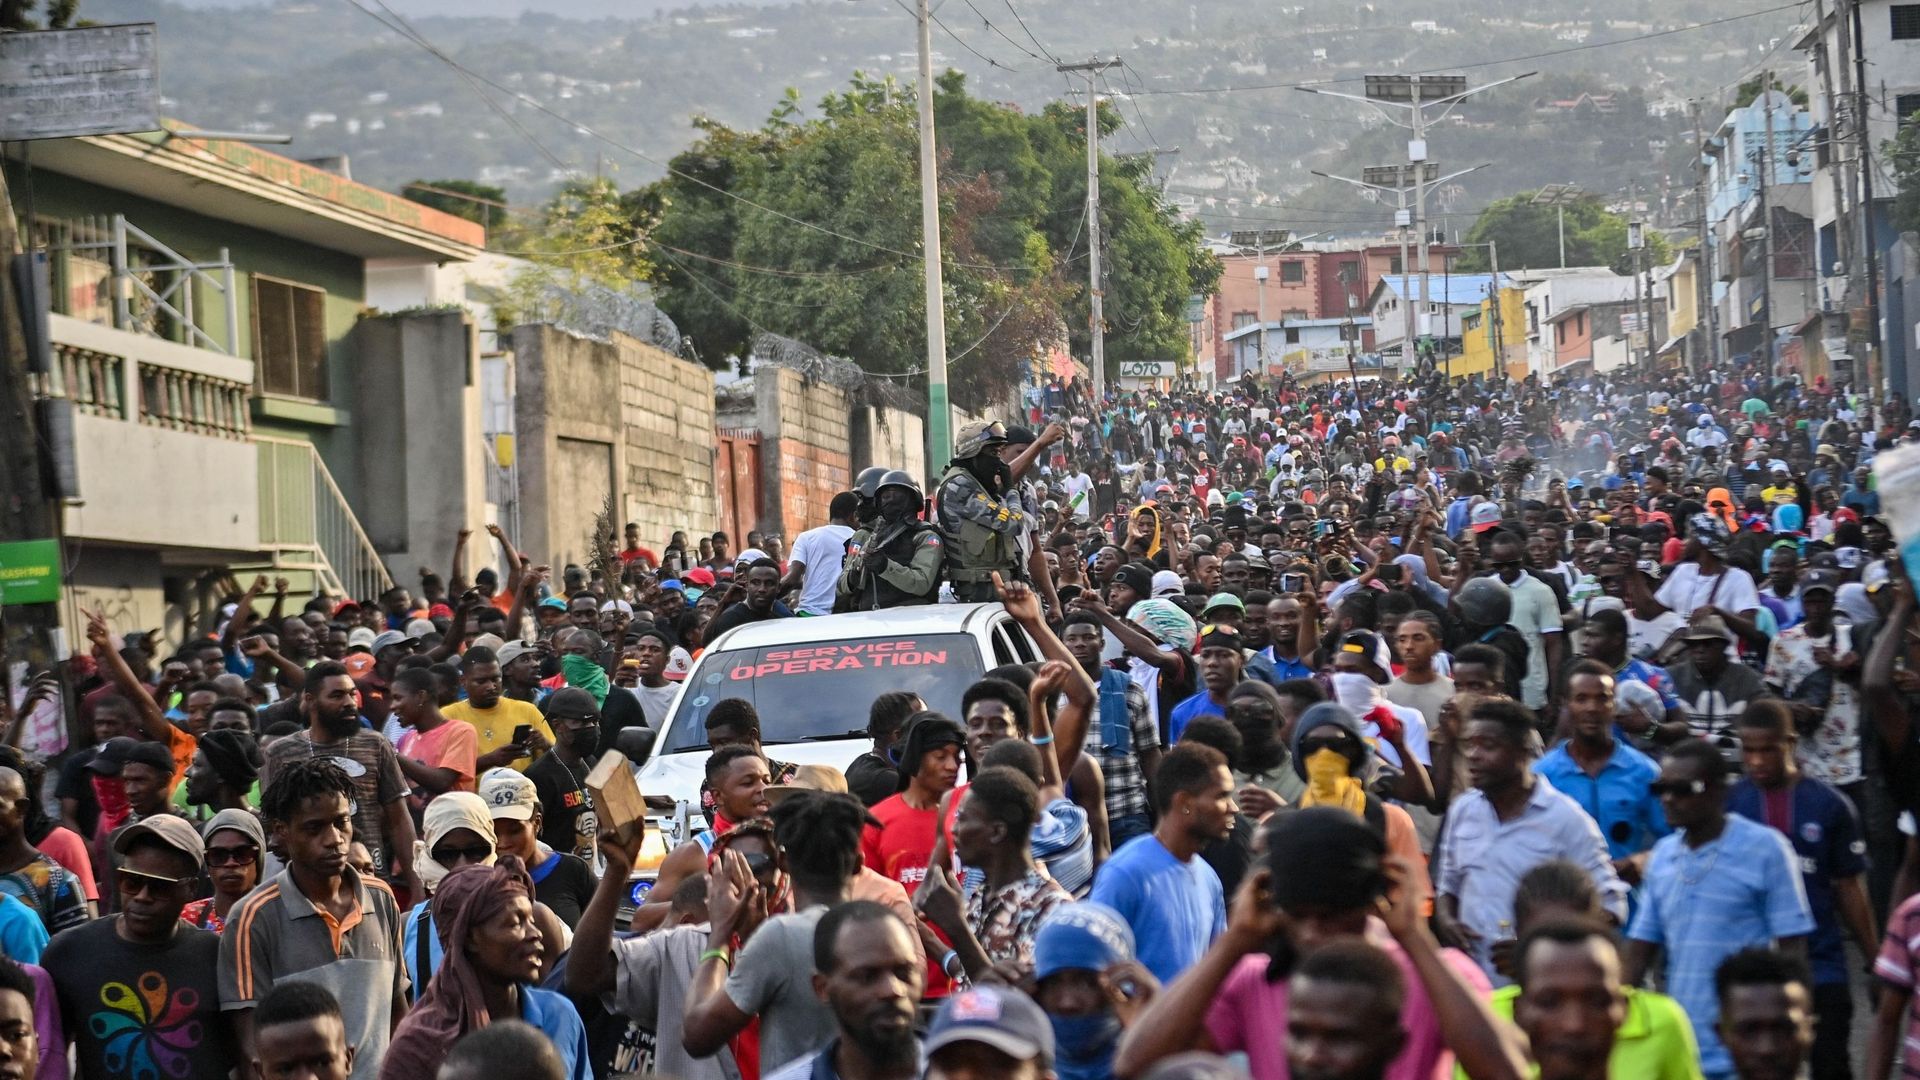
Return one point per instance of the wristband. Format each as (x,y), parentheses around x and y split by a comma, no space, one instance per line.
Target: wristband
(952,955)
(1042,740)
(722,954)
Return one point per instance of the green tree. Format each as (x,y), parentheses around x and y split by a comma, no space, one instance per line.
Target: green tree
(808,227)
(587,235)
(1902,153)
(19,14)
(1528,236)
(477,202)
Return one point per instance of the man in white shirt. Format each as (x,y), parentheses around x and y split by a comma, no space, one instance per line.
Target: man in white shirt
(813,566)
(1702,579)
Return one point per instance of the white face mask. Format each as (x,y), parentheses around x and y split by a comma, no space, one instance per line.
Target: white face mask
(1357,692)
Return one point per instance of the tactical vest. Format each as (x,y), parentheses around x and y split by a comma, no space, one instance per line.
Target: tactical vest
(881,593)
(977,550)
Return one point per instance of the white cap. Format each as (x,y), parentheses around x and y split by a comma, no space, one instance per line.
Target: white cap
(620,606)
(1167,583)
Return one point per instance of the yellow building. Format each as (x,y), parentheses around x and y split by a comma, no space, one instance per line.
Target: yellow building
(1477,334)
(1681,285)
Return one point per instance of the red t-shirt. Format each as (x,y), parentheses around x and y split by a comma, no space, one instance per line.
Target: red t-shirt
(900,849)
(901,846)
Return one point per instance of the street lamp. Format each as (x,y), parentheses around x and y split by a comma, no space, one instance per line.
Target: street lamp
(1260,283)
(1398,179)
(1558,196)
(1414,94)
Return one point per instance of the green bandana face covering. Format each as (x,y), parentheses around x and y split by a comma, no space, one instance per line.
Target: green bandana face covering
(582,672)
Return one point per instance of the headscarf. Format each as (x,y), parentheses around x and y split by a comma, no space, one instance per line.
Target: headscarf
(1417,573)
(453,1003)
(1153,540)
(1725,498)
(1853,601)
(447,812)
(1164,620)
(781,899)
(585,673)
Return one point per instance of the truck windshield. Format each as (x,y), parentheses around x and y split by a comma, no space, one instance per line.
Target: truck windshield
(822,690)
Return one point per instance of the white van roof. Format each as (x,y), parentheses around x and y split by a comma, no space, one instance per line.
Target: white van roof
(893,622)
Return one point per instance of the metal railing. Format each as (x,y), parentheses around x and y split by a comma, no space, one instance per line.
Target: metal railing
(306,524)
(154,289)
(181,388)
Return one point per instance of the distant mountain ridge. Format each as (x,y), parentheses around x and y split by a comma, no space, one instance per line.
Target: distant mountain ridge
(638,71)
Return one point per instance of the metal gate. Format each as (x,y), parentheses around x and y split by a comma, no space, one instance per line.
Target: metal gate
(738,470)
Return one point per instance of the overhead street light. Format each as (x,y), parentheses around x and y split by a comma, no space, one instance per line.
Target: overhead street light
(1408,88)
(1399,176)
(1558,196)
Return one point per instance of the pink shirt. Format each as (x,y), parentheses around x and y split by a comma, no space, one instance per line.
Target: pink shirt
(65,847)
(1248,1015)
(453,745)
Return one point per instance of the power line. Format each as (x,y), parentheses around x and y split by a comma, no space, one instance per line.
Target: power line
(668,168)
(962,42)
(1029,32)
(1584,47)
(1003,34)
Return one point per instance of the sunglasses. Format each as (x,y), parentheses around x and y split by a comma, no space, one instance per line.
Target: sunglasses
(473,853)
(232,856)
(133,883)
(1677,788)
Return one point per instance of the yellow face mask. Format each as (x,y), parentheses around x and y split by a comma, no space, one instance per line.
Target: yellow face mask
(1326,767)
(1330,783)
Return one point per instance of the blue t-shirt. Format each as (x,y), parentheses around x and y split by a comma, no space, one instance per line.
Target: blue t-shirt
(1704,904)
(1825,832)
(1176,908)
(23,937)
(556,1017)
(1617,800)
(1200,704)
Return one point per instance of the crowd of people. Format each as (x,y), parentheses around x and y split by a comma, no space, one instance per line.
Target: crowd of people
(1378,730)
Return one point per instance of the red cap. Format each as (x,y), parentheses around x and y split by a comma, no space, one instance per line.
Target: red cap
(700,576)
(346,605)
(439,611)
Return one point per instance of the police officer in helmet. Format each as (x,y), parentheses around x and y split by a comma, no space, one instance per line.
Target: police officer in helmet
(867,486)
(978,521)
(898,560)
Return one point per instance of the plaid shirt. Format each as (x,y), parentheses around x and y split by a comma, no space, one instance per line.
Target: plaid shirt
(1126,785)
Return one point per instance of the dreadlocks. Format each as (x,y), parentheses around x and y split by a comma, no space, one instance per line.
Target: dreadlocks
(300,780)
(820,833)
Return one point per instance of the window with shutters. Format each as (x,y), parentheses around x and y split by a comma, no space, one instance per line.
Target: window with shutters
(290,338)
(1293,271)
(1906,21)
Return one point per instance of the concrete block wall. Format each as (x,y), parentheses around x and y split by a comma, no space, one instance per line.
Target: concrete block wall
(806,449)
(667,406)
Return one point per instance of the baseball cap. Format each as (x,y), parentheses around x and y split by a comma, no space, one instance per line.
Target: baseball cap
(699,576)
(1003,1018)
(1875,576)
(390,638)
(360,638)
(554,602)
(808,778)
(509,794)
(511,651)
(1167,583)
(151,754)
(1219,636)
(671,585)
(1485,516)
(620,606)
(176,832)
(112,755)
(1371,647)
(1082,936)
(1135,577)
(679,662)
(1224,600)
(1707,628)
(489,641)
(1825,580)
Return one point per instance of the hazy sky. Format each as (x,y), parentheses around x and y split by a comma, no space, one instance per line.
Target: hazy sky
(588,9)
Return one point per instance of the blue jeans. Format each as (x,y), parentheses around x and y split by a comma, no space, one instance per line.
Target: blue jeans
(1126,827)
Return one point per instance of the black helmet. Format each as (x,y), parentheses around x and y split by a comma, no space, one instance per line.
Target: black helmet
(897,478)
(868,482)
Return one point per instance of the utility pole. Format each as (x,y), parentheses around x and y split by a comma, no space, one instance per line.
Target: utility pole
(1416,161)
(1766,225)
(1824,62)
(1703,274)
(1097,365)
(1869,244)
(939,415)
(1405,222)
(1499,338)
